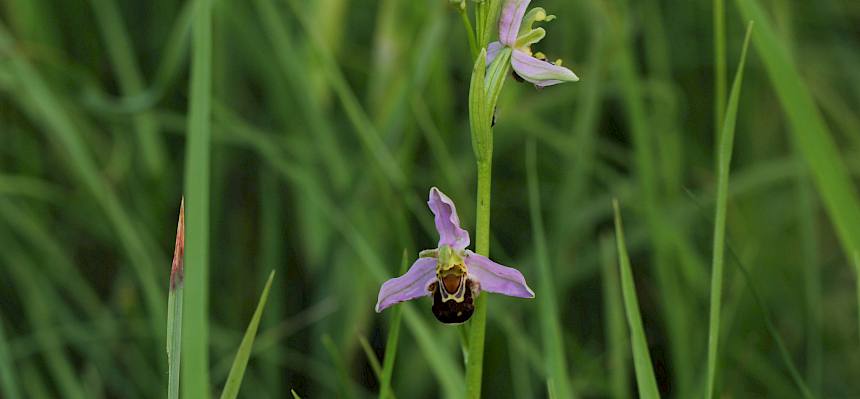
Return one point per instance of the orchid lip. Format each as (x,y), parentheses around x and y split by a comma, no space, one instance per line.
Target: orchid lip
(452,312)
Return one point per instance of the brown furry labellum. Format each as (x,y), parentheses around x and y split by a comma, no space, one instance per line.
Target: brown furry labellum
(452,312)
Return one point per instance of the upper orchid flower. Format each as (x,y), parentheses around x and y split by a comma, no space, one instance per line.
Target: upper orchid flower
(516,32)
(452,274)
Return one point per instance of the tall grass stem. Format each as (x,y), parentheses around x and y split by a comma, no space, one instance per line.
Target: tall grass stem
(195,340)
(725,157)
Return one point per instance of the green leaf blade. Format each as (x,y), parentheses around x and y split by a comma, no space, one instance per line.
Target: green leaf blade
(195,368)
(725,157)
(240,362)
(641,356)
(391,343)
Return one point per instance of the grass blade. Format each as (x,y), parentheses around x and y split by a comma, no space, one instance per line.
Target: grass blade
(128,75)
(771,329)
(174,308)
(857,266)
(284,51)
(8,380)
(234,379)
(196,312)
(174,339)
(719,64)
(643,128)
(641,357)
(550,389)
(391,342)
(812,276)
(616,337)
(272,250)
(170,66)
(441,364)
(811,136)
(38,309)
(47,110)
(34,385)
(344,388)
(521,372)
(371,357)
(367,132)
(725,158)
(551,331)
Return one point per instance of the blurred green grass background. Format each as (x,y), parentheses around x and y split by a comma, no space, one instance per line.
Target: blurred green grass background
(330,121)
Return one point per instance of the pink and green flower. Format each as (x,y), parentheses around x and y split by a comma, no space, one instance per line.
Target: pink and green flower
(517,33)
(450,273)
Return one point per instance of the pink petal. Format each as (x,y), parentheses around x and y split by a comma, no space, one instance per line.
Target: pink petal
(493,51)
(494,277)
(509,23)
(409,286)
(540,72)
(447,221)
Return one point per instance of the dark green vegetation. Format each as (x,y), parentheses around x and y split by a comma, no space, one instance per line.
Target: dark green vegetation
(327,122)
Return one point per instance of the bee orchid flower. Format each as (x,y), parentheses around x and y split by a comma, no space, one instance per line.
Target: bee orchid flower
(450,273)
(516,32)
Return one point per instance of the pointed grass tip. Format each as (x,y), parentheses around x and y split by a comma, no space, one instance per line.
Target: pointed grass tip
(177,271)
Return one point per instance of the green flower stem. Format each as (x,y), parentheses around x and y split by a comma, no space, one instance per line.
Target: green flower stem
(470,32)
(484,91)
(475,365)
